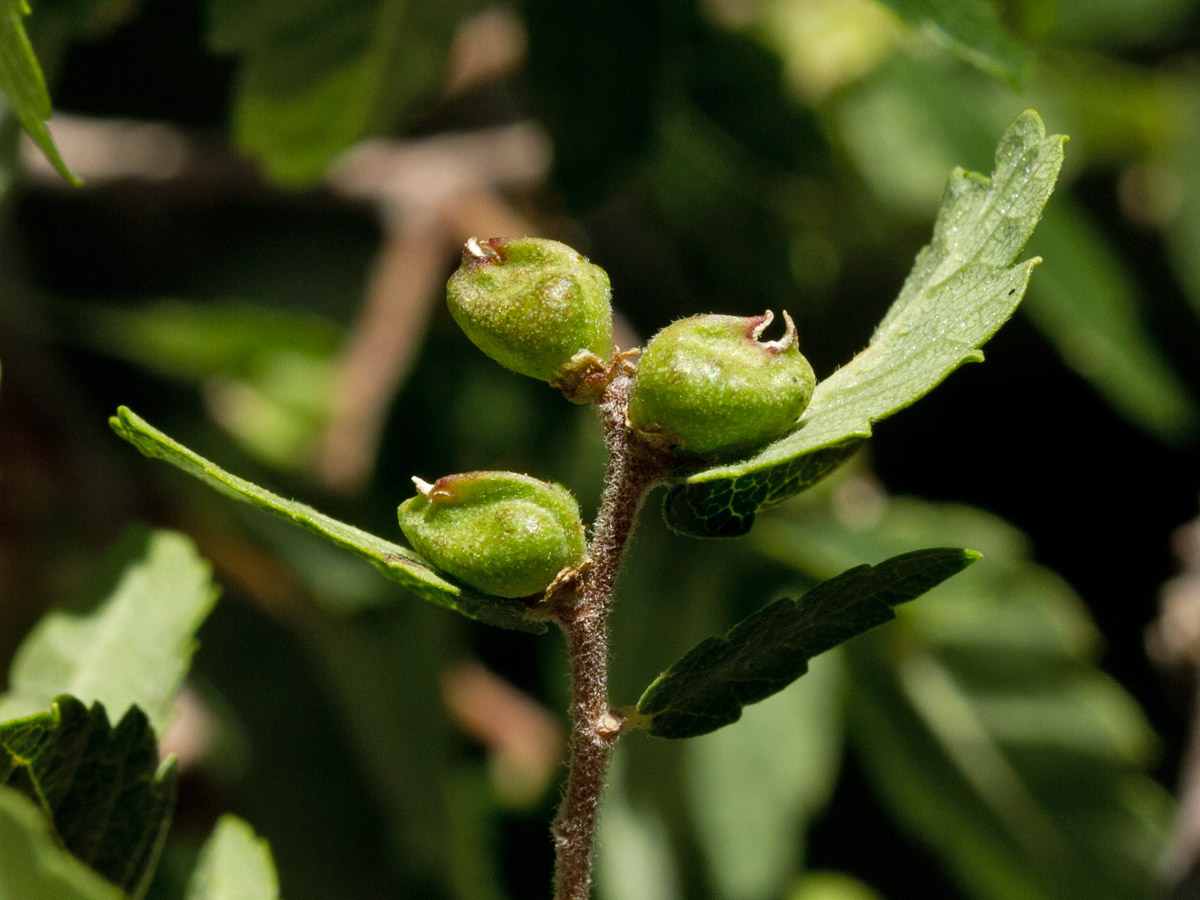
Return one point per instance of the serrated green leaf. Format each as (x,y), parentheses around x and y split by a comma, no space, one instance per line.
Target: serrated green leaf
(393,560)
(318,75)
(22,82)
(46,871)
(235,864)
(989,733)
(974,30)
(134,649)
(102,787)
(770,649)
(962,288)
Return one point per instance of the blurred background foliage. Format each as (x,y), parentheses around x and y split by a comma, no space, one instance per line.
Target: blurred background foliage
(275,192)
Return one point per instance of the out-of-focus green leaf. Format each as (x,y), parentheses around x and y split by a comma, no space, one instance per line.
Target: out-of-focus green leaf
(102,787)
(831,886)
(1086,303)
(22,82)
(983,721)
(393,560)
(198,340)
(770,649)
(974,30)
(1183,226)
(267,374)
(474,859)
(1116,23)
(133,649)
(754,788)
(911,119)
(10,135)
(235,864)
(318,75)
(963,287)
(634,857)
(379,665)
(46,871)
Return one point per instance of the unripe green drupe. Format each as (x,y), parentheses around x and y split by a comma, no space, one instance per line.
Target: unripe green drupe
(531,304)
(708,387)
(501,533)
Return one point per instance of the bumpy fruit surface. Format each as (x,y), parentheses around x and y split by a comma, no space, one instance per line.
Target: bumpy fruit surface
(531,304)
(504,534)
(709,387)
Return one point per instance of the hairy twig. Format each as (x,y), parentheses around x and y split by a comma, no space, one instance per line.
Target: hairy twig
(595,726)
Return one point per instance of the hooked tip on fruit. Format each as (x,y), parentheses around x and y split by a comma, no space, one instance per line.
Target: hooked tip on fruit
(432,492)
(790,338)
(531,304)
(478,251)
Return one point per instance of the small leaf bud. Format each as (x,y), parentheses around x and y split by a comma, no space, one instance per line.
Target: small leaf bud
(708,387)
(501,533)
(532,305)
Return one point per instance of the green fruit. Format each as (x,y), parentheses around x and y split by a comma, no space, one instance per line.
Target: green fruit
(501,533)
(532,305)
(708,387)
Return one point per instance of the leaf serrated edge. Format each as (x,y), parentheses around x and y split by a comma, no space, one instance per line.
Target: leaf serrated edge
(943,563)
(699,486)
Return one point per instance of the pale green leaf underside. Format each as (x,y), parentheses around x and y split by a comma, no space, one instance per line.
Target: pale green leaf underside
(235,864)
(22,82)
(963,286)
(47,871)
(974,29)
(770,649)
(394,560)
(134,649)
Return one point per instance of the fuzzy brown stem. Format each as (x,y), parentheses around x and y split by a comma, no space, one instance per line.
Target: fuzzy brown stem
(595,726)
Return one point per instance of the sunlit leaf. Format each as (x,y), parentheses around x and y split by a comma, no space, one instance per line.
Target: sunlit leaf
(133,649)
(963,287)
(980,716)
(22,82)
(770,649)
(393,560)
(101,786)
(235,864)
(46,870)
